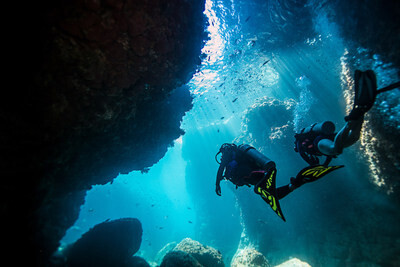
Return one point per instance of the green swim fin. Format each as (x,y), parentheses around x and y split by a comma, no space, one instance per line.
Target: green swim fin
(266,188)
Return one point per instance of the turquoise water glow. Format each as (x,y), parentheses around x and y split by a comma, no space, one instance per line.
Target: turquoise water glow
(329,223)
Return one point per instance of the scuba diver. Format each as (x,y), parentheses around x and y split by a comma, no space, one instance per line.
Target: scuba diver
(244,165)
(320,139)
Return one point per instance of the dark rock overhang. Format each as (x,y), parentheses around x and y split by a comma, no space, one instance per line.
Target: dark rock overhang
(92,95)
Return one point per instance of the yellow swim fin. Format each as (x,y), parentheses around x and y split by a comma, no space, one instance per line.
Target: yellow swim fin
(267,190)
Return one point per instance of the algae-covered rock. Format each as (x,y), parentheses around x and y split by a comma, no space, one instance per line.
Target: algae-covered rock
(249,257)
(294,263)
(205,255)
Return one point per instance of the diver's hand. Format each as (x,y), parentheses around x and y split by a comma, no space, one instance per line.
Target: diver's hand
(218,189)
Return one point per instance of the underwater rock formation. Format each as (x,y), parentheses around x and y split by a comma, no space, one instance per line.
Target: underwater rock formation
(249,257)
(91,102)
(111,243)
(382,155)
(294,263)
(379,35)
(276,126)
(205,255)
(137,261)
(179,259)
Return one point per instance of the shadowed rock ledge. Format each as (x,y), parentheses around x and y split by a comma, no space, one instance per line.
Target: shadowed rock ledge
(91,96)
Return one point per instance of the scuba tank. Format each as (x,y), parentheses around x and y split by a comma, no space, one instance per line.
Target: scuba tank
(323,128)
(259,159)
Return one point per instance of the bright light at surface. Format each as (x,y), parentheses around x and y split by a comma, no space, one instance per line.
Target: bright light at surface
(215,46)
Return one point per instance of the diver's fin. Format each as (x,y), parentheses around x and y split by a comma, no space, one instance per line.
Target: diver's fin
(313,173)
(365,91)
(266,188)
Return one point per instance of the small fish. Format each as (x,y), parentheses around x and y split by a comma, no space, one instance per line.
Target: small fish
(190,222)
(189,208)
(218,131)
(261,221)
(152,205)
(234,100)
(160,227)
(91,210)
(222,118)
(247,19)
(266,62)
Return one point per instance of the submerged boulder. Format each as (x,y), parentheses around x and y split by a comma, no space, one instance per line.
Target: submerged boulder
(249,257)
(137,261)
(179,259)
(207,256)
(294,263)
(111,243)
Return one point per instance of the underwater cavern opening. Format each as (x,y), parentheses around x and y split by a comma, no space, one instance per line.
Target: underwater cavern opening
(129,104)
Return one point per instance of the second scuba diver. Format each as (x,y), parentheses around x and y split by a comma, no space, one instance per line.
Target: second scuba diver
(320,140)
(244,165)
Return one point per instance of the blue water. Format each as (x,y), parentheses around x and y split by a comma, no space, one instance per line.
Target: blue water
(252,57)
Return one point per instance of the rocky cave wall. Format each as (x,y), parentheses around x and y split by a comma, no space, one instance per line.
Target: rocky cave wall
(91,95)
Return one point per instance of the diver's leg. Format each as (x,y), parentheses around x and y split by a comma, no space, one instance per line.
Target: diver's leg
(346,137)
(283,191)
(350,134)
(327,147)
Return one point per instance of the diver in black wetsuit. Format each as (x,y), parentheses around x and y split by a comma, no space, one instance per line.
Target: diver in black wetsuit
(306,142)
(244,165)
(320,139)
(242,169)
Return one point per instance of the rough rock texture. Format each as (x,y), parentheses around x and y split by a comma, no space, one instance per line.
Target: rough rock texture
(206,256)
(380,35)
(294,263)
(111,243)
(179,259)
(277,124)
(383,155)
(87,100)
(249,257)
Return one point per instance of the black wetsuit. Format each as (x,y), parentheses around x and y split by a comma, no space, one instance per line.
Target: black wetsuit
(240,170)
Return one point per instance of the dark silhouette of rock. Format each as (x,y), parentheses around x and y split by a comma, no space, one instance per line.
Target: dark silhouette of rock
(179,259)
(205,255)
(111,243)
(137,261)
(89,85)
